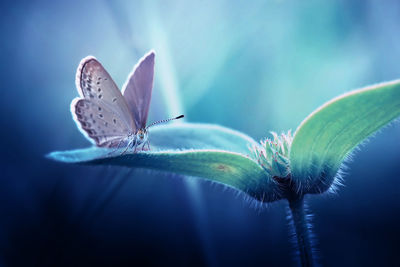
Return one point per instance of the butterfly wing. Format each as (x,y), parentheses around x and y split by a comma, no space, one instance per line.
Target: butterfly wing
(94,83)
(98,122)
(102,113)
(137,90)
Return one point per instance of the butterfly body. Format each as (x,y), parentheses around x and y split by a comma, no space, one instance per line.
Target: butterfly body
(107,117)
(141,138)
(134,141)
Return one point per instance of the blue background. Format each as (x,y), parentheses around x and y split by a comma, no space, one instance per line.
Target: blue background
(251,66)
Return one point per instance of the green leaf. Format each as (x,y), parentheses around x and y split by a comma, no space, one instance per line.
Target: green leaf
(209,151)
(330,133)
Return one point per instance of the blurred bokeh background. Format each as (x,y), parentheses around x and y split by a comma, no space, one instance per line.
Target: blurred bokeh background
(253,66)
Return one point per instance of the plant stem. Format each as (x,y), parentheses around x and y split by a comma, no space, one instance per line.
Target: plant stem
(302,231)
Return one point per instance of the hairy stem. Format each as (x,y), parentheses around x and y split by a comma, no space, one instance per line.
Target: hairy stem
(302,232)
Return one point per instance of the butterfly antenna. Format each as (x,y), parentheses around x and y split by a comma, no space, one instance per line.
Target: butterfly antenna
(163,121)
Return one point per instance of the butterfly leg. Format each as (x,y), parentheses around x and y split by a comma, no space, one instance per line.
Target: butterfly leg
(135,148)
(126,148)
(131,144)
(148,145)
(118,147)
(143,146)
(143,149)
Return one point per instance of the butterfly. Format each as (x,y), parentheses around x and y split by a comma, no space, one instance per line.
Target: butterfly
(107,117)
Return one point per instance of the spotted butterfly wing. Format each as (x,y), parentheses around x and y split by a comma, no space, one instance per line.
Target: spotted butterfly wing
(138,87)
(102,113)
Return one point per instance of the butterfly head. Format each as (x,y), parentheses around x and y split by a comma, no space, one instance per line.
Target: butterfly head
(142,135)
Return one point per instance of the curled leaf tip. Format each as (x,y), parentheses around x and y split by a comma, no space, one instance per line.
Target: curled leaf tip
(325,138)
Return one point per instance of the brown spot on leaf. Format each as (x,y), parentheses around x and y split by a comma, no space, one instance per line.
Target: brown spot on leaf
(222,167)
